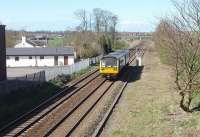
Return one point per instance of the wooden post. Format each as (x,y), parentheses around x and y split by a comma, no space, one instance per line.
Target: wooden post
(3,73)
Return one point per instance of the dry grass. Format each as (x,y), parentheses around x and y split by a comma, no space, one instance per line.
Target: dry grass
(150,107)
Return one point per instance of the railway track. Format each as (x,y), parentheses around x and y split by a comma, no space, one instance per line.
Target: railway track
(51,120)
(18,126)
(67,124)
(77,114)
(61,116)
(102,123)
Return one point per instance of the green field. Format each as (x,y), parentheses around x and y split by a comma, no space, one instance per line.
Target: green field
(56,42)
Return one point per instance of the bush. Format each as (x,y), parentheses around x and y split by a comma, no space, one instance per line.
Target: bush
(119,44)
(61,80)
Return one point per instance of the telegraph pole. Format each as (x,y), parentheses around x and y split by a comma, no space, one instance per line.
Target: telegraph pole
(3,73)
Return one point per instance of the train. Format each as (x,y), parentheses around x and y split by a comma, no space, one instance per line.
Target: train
(112,64)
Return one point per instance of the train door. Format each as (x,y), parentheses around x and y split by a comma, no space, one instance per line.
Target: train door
(65,60)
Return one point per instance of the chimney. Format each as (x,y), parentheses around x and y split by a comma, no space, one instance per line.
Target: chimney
(23,39)
(3,73)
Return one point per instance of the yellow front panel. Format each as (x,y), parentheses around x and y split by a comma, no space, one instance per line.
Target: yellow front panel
(108,70)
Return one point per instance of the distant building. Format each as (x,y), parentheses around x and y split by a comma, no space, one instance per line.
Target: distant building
(24,57)
(134,35)
(30,43)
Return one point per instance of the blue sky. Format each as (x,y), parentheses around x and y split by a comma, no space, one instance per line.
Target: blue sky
(134,15)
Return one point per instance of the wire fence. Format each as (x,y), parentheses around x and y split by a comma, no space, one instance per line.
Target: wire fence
(53,72)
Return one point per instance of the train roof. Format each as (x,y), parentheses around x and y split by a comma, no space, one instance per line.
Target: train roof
(117,54)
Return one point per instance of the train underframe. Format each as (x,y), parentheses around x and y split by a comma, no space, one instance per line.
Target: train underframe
(111,76)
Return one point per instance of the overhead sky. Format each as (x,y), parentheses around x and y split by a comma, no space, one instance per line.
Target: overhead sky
(134,15)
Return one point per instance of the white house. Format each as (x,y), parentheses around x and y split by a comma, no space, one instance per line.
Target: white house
(30,43)
(24,57)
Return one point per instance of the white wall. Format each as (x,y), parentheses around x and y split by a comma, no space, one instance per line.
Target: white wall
(60,60)
(24,61)
(47,61)
(70,60)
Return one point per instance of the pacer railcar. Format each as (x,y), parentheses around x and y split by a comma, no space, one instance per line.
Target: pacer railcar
(112,64)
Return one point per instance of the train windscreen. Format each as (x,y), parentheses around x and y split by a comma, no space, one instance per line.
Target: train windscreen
(109,62)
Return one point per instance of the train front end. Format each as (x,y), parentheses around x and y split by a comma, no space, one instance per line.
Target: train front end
(109,67)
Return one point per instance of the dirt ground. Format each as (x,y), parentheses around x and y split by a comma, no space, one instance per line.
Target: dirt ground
(150,106)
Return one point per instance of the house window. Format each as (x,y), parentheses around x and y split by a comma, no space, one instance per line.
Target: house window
(16,58)
(7,57)
(41,57)
(30,57)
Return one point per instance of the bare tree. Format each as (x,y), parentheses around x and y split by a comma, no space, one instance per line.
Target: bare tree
(114,20)
(103,23)
(179,37)
(83,17)
(106,19)
(90,22)
(98,14)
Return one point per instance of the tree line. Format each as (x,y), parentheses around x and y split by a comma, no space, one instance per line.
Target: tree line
(95,34)
(178,39)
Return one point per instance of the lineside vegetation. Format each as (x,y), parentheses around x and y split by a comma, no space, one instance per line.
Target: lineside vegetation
(178,40)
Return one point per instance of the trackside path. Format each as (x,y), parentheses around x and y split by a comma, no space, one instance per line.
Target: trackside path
(149,106)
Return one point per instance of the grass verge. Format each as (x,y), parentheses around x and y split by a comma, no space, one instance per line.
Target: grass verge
(150,106)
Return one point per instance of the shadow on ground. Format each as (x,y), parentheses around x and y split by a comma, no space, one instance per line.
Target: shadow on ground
(197,108)
(132,74)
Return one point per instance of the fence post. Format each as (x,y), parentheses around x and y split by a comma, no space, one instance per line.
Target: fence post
(40,77)
(34,77)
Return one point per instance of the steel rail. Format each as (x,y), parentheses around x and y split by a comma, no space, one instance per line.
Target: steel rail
(89,110)
(29,114)
(53,128)
(65,116)
(102,123)
(108,113)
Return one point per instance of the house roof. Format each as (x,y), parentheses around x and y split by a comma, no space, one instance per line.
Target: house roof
(40,51)
(33,42)
(36,42)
